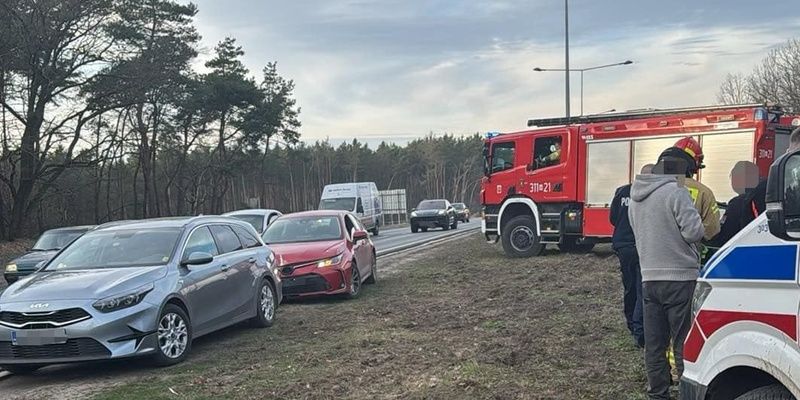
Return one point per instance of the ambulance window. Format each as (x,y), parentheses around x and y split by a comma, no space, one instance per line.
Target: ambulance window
(791,184)
(502,156)
(546,152)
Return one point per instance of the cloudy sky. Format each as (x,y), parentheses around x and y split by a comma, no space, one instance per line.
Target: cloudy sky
(395,69)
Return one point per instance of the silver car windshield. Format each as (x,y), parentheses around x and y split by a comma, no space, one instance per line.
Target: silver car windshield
(257,221)
(303,229)
(118,248)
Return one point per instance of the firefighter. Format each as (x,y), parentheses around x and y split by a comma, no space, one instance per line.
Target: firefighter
(553,158)
(702,196)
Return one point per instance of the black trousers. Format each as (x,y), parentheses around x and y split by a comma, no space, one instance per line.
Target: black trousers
(667,318)
(632,297)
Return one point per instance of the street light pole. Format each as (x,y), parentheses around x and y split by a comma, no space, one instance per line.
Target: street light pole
(566,53)
(581,91)
(581,70)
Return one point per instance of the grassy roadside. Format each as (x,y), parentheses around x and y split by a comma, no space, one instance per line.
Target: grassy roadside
(454,324)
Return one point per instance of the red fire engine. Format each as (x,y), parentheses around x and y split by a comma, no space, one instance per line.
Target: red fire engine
(553,184)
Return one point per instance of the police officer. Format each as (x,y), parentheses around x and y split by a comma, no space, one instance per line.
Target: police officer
(624,245)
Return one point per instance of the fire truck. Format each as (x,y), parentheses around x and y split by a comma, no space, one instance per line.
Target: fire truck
(553,184)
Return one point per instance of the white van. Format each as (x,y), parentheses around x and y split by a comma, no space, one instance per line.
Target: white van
(360,198)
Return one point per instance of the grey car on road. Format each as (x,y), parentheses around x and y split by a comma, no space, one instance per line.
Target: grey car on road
(139,288)
(46,247)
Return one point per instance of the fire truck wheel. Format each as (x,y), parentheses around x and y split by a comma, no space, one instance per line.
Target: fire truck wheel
(571,245)
(771,392)
(519,238)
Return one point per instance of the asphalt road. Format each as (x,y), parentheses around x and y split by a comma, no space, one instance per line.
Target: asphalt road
(399,238)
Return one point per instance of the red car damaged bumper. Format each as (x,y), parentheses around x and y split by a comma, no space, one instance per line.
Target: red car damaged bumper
(305,281)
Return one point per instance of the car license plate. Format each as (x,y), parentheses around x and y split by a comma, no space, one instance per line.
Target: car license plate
(38,337)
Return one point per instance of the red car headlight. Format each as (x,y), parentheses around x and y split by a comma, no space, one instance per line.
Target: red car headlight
(330,262)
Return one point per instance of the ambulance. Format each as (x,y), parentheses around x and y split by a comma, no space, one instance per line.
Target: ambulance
(743,342)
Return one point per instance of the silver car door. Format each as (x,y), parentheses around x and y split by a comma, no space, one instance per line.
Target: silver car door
(234,268)
(202,282)
(249,274)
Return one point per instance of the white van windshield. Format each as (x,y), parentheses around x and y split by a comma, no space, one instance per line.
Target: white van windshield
(344,203)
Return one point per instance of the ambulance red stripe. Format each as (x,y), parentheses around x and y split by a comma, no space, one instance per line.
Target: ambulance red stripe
(710,321)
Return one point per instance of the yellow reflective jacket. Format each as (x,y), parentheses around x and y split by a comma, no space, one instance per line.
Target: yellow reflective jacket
(706,205)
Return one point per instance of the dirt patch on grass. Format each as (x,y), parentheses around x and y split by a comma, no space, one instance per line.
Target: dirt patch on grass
(454,322)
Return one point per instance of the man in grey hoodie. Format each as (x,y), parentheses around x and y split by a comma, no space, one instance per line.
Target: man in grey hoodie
(667,228)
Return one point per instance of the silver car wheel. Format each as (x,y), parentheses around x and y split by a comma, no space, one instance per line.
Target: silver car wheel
(173,335)
(267,303)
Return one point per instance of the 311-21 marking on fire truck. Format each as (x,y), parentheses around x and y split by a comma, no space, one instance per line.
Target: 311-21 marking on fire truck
(541,187)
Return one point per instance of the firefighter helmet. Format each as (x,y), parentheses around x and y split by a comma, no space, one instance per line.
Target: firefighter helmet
(692,147)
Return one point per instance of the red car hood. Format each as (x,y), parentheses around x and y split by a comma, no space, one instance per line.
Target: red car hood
(296,253)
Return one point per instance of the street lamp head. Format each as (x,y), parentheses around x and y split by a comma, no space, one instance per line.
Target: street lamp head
(537,69)
(629,62)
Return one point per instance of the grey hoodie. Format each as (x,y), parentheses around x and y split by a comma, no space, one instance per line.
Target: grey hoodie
(667,228)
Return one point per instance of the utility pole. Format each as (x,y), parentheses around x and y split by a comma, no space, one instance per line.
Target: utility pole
(566,52)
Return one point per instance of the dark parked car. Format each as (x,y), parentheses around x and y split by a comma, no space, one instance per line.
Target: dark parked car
(462,212)
(138,288)
(45,248)
(433,214)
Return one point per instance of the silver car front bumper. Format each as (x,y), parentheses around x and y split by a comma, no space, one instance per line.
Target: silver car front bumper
(73,331)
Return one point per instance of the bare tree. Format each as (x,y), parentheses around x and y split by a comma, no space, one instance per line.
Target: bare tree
(777,78)
(56,46)
(734,90)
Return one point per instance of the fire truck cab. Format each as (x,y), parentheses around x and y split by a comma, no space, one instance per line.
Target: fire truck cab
(554,184)
(743,342)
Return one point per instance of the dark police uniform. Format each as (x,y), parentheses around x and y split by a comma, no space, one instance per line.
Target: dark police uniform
(624,245)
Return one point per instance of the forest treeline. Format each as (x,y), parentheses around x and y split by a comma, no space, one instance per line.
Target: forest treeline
(105,116)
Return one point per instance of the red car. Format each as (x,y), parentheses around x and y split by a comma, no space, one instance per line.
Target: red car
(322,253)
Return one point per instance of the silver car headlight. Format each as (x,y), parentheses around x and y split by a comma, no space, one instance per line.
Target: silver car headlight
(441,212)
(118,302)
(271,260)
